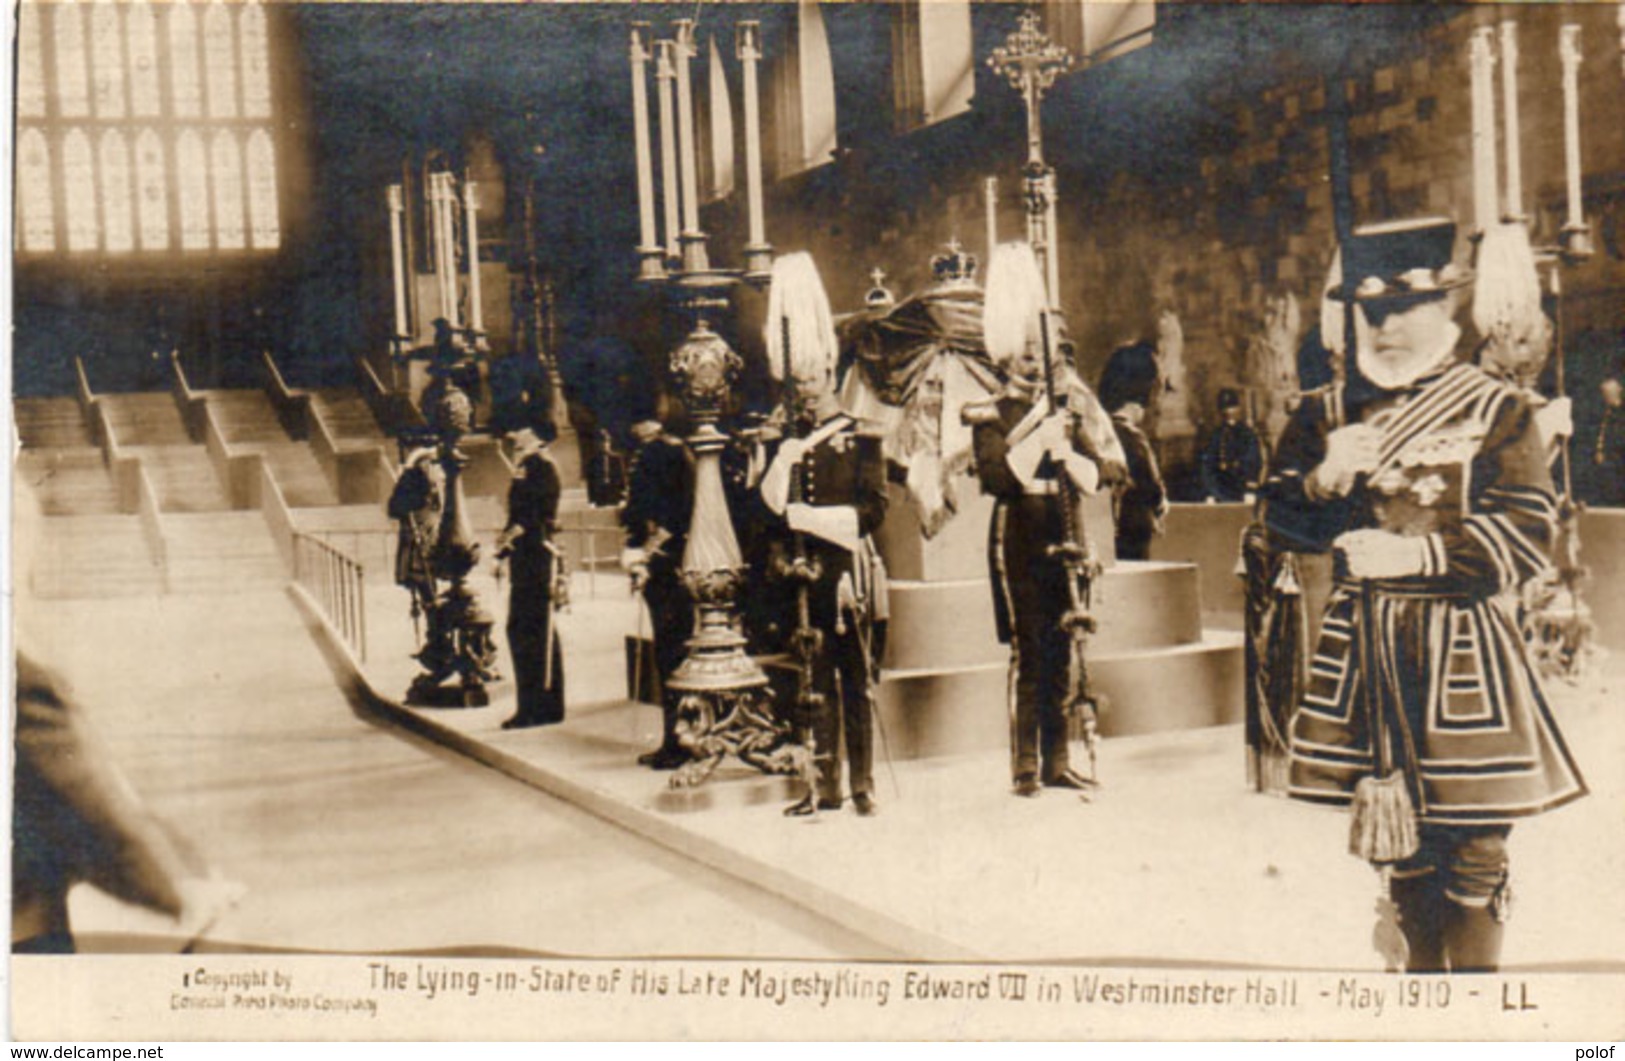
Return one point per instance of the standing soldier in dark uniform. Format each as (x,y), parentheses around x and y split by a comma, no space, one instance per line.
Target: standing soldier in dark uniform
(526,545)
(826,480)
(1140,501)
(1605,456)
(1422,709)
(1022,448)
(1233,459)
(659,504)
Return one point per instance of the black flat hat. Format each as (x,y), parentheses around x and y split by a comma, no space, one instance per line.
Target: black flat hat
(1408,260)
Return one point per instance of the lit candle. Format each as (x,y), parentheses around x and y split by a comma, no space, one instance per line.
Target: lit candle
(397,258)
(1485,211)
(685,128)
(448,244)
(665,74)
(471,205)
(438,228)
(749,44)
(1509,97)
(640,136)
(1569,50)
(990,193)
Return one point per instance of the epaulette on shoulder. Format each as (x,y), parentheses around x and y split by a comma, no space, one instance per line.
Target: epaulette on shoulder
(981,411)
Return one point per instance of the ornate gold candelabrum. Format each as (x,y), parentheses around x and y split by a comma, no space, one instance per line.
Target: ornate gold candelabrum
(458,642)
(725,707)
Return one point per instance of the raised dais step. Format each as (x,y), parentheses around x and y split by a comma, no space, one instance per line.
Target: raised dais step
(148,419)
(68,481)
(44,423)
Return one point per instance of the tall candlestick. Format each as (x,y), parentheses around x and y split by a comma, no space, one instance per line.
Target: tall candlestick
(990,194)
(1569,50)
(448,241)
(648,250)
(437,230)
(692,239)
(1485,213)
(665,74)
(1509,98)
(758,255)
(397,257)
(471,205)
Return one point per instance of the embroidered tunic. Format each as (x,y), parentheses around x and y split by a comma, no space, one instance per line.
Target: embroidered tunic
(1461,466)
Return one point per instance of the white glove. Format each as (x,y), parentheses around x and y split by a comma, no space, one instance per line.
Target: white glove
(1382,554)
(1084,473)
(776,483)
(1049,437)
(1349,451)
(836,524)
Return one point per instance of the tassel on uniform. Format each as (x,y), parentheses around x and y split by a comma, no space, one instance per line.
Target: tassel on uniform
(1383,829)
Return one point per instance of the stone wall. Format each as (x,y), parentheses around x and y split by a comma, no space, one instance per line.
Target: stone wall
(1251,218)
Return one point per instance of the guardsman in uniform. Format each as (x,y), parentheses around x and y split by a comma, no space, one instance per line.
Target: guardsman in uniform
(1432,481)
(1233,459)
(1022,449)
(659,504)
(826,480)
(1140,502)
(527,545)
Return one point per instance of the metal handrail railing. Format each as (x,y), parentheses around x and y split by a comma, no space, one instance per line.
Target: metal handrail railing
(338,586)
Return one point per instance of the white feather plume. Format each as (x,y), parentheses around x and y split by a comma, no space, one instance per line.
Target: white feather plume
(1014,301)
(1506,303)
(797,298)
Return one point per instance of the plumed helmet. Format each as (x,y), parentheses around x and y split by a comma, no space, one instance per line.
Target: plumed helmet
(1014,303)
(798,313)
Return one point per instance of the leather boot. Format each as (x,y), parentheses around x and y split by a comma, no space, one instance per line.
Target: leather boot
(1422,915)
(1472,939)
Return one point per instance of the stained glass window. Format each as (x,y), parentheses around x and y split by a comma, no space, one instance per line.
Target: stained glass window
(72,86)
(36,216)
(30,72)
(152,192)
(185,84)
(226,179)
(79,186)
(131,132)
(220,60)
(107,60)
(192,178)
(256,57)
(118,224)
(141,30)
(265,228)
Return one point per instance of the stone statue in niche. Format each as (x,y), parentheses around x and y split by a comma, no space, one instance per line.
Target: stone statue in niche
(1170,407)
(1271,365)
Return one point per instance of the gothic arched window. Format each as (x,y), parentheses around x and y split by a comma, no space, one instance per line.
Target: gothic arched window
(36,217)
(220,60)
(265,229)
(118,225)
(106,60)
(145,126)
(79,186)
(192,179)
(30,67)
(72,77)
(256,65)
(226,179)
(141,32)
(185,83)
(151,192)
